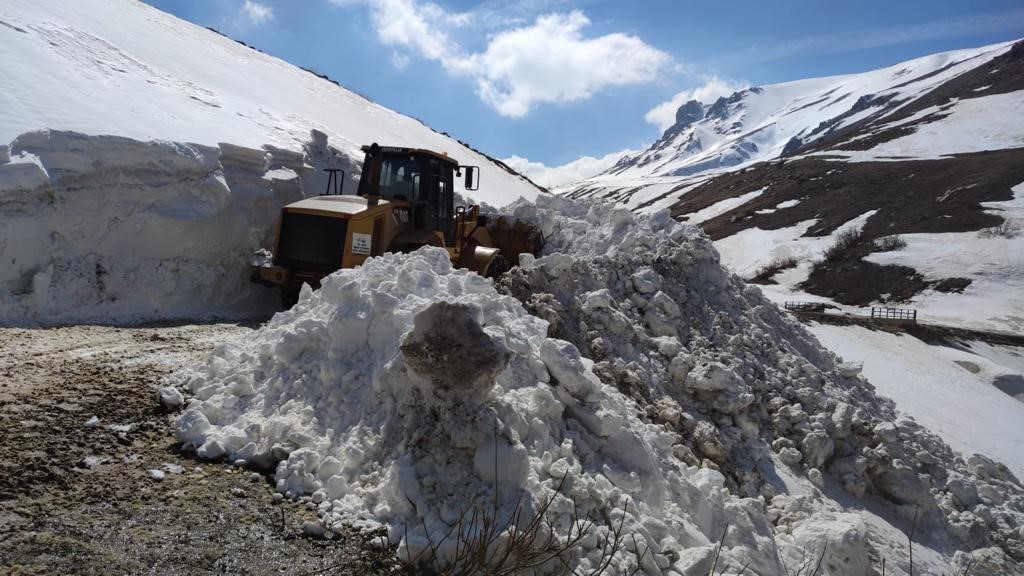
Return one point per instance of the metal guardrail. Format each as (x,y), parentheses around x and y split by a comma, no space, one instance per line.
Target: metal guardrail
(881,314)
(805,306)
(908,314)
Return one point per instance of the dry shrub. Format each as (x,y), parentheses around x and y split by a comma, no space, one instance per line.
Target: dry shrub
(845,240)
(479,542)
(765,273)
(1008,229)
(890,243)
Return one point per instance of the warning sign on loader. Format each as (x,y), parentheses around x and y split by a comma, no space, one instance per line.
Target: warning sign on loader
(361,243)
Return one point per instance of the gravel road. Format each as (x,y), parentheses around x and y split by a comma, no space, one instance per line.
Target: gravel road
(81,499)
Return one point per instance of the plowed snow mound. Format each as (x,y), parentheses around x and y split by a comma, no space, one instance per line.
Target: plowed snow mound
(410,394)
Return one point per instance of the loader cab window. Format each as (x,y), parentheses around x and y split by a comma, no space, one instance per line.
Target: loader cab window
(442,196)
(400,177)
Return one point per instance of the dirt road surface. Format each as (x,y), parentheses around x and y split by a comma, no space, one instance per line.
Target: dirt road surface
(80,499)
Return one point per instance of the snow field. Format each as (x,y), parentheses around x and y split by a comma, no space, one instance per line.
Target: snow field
(747,250)
(127,69)
(627,361)
(994,263)
(948,390)
(963,127)
(719,208)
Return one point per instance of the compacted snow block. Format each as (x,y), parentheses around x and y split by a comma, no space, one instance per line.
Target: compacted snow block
(448,350)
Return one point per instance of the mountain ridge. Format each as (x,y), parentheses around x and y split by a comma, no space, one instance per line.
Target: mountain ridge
(730,132)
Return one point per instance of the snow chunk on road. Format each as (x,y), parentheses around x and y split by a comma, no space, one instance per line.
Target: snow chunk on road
(441,335)
(170,397)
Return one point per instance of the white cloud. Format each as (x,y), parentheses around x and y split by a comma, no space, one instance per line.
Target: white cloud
(664,115)
(580,169)
(549,60)
(495,14)
(419,27)
(399,60)
(256,12)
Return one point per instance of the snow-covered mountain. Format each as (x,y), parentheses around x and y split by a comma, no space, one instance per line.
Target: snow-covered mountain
(124,68)
(766,122)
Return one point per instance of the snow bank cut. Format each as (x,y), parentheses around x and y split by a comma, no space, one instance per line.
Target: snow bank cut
(110,229)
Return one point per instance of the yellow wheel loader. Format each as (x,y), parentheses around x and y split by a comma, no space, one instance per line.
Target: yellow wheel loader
(405,200)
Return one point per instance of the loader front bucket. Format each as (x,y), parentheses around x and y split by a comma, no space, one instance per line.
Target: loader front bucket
(515,237)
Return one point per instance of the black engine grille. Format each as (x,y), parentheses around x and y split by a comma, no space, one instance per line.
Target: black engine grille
(313,243)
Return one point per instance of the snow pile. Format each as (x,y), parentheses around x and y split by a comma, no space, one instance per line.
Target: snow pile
(403,389)
(627,362)
(711,359)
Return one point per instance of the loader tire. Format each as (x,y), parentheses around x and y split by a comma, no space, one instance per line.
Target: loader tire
(499,265)
(289,296)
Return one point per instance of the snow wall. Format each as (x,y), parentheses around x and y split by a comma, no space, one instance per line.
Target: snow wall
(624,377)
(110,229)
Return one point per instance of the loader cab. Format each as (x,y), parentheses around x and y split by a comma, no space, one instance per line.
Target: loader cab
(418,182)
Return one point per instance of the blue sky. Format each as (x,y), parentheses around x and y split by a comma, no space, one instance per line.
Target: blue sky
(553,80)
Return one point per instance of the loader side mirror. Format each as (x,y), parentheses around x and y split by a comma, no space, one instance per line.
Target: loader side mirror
(472,176)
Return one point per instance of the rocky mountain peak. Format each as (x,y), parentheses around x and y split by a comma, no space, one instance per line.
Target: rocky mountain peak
(720,109)
(689,113)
